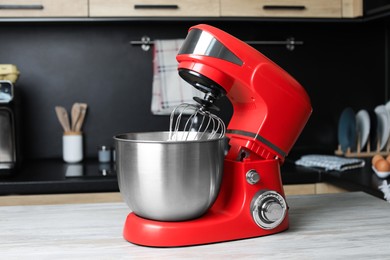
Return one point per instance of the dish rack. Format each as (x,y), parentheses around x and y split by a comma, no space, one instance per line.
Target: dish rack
(366,152)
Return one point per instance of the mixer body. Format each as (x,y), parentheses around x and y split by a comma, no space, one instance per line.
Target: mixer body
(231,217)
(270,109)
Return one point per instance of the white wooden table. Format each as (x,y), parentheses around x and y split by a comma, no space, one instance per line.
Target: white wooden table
(333,226)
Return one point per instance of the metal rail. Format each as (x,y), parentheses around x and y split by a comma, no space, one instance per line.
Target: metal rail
(290,43)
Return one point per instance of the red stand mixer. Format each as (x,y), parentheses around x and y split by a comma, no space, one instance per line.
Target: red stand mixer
(270,109)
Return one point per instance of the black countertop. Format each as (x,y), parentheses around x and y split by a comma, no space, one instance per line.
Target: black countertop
(55,176)
(52,176)
(362,179)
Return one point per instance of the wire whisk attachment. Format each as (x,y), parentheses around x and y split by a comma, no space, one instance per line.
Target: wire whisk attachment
(190,122)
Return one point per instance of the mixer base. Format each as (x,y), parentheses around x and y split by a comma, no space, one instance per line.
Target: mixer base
(228,219)
(211,228)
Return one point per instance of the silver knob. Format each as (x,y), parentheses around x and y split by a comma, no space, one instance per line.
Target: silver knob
(272,211)
(268,209)
(252,177)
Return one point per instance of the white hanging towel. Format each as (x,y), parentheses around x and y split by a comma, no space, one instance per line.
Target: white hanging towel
(169,89)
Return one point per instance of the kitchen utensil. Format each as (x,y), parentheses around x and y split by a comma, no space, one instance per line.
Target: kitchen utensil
(72,147)
(80,121)
(63,117)
(199,122)
(169,180)
(9,138)
(75,114)
(270,109)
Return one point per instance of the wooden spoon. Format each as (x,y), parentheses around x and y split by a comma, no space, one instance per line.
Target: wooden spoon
(80,121)
(62,115)
(75,114)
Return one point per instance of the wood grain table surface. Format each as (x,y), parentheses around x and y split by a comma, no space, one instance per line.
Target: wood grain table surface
(351,225)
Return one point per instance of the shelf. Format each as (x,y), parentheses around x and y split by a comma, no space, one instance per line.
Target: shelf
(182,19)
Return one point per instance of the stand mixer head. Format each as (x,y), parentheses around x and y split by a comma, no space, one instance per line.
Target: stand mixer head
(270,108)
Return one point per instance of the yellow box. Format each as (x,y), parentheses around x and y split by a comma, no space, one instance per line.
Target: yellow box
(9,72)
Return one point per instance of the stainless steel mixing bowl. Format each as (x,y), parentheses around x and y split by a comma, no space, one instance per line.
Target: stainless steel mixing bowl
(168,180)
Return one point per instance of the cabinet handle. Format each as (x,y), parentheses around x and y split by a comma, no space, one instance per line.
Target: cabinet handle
(21,7)
(171,7)
(284,7)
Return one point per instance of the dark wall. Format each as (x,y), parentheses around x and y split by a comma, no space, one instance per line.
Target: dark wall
(340,64)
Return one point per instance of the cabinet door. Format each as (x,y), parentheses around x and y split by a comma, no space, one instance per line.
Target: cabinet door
(352,8)
(153,8)
(282,8)
(43,8)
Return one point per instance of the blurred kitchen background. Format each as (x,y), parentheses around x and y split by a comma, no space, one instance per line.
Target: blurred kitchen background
(342,62)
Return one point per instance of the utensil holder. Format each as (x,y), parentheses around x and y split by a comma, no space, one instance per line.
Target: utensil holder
(72,147)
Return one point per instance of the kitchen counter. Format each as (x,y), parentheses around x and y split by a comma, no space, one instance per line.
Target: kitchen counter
(361,179)
(53,176)
(347,225)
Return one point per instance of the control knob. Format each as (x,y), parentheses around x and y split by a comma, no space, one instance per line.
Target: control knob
(268,209)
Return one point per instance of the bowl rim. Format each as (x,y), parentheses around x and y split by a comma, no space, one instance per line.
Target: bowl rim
(121,138)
